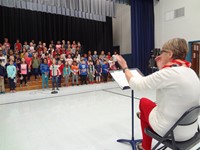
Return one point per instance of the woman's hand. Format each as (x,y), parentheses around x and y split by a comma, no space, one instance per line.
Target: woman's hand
(121,61)
(123,64)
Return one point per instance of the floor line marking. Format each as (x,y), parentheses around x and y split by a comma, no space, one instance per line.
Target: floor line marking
(120,94)
(38,99)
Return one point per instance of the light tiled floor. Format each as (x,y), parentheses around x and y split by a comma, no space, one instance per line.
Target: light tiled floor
(88,117)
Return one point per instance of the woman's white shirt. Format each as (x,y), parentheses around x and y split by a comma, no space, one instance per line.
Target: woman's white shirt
(177,90)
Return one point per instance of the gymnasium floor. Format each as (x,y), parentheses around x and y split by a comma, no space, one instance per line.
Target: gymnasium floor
(87,117)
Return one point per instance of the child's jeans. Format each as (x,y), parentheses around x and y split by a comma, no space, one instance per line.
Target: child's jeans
(59,80)
(91,78)
(83,79)
(74,77)
(45,80)
(105,77)
(24,78)
(2,86)
(12,84)
(35,72)
(67,79)
(54,80)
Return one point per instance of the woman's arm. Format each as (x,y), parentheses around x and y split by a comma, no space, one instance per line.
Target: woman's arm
(157,80)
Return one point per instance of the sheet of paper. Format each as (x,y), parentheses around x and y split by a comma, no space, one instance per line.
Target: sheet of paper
(120,77)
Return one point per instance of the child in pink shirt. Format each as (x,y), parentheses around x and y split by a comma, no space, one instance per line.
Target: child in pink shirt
(23,72)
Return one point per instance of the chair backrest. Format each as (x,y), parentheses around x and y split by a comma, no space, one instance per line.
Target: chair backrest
(190,116)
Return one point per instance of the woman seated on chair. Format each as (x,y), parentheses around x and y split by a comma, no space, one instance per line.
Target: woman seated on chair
(177,89)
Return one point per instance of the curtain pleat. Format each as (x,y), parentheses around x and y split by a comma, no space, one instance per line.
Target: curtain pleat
(123,1)
(80,6)
(96,9)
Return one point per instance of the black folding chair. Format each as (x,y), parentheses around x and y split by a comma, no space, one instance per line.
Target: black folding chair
(168,141)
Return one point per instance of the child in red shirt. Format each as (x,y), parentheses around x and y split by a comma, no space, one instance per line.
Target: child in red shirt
(18,46)
(61,66)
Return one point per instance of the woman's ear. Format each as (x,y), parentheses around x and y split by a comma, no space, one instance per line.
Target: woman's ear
(170,54)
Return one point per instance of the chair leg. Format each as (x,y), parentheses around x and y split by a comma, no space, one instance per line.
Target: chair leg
(158,143)
(162,148)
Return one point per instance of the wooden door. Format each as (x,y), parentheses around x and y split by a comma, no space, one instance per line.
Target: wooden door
(196,58)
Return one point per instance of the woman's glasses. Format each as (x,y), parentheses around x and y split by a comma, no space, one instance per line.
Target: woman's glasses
(163,51)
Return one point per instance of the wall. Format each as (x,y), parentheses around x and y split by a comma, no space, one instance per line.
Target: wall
(187,27)
(122,28)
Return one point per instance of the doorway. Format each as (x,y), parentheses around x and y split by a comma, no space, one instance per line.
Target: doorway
(195,56)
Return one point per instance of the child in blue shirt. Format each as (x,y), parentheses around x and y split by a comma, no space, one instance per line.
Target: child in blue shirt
(44,68)
(105,71)
(83,69)
(11,72)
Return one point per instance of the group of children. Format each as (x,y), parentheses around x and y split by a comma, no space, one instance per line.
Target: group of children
(56,62)
(87,71)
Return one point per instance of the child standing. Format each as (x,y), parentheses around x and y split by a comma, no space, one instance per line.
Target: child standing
(83,71)
(35,65)
(11,72)
(98,71)
(2,75)
(69,60)
(112,65)
(75,70)
(23,70)
(105,71)
(66,72)
(60,67)
(44,68)
(28,60)
(54,72)
(91,72)
(95,56)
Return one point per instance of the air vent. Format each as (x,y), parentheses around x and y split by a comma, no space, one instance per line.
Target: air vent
(170,15)
(179,12)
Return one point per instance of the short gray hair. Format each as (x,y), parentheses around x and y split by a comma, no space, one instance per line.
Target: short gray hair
(178,46)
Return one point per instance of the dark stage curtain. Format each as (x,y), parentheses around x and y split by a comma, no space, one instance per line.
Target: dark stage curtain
(142,26)
(27,25)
